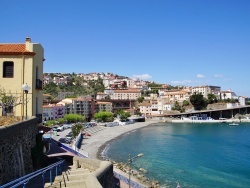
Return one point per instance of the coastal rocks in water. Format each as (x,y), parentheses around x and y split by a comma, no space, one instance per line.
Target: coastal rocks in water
(155,184)
(143,170)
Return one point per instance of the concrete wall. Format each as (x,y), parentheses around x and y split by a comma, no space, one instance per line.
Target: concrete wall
(15,149)
(102,172)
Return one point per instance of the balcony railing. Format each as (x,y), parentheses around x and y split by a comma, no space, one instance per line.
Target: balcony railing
(39,84)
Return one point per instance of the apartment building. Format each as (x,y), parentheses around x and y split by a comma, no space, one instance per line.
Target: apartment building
(20,64)
(81,106)
(53,112)
(128,94)
(104,106)
(205,90)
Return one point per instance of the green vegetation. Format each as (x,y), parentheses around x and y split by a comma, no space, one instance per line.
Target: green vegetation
(50,123)
(211,98)
(74,118)
(140,99)
(123,115)
(198,101)
(76,129)
(75,84)
(104,116)
(178,107)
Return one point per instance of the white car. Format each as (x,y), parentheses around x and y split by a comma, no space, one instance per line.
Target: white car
(60,128)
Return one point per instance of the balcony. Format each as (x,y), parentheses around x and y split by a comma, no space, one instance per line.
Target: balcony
(39,84)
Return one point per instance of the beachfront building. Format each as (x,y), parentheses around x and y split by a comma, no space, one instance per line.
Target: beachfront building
(22,63)
(206,89)
(167,106)
(154,107)
(104,106)
(82,106)
(145,108)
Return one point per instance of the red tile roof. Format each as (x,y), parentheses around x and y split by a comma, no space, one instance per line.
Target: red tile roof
(14,49)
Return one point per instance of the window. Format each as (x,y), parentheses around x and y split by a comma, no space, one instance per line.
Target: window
(8,69)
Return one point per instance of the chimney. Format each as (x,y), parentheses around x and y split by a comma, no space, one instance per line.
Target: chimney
(27,43)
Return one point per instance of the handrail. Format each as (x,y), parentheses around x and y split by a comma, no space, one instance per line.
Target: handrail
(25,179)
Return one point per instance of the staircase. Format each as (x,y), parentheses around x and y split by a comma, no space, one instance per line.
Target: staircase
(71,177)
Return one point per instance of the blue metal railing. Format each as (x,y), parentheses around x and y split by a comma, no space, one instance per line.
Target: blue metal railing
(69,149)
(22,181)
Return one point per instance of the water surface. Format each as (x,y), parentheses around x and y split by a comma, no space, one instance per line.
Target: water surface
(195,155)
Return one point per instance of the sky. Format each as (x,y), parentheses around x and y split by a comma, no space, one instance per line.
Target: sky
(176,42)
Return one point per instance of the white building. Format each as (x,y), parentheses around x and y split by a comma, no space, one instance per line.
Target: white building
(205,90)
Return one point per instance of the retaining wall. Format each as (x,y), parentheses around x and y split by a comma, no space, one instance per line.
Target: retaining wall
(16,141)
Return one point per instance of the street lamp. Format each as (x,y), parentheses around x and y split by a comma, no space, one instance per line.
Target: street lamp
(26,89)
(130,160)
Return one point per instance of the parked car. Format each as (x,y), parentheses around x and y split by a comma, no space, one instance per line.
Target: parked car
(60,128)
(64,140)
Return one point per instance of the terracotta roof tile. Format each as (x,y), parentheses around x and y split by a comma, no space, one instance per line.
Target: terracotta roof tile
(12,48)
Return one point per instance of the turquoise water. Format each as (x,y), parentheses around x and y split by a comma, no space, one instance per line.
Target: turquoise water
(195,155)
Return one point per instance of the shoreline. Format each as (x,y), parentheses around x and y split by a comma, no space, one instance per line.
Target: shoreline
(97,142)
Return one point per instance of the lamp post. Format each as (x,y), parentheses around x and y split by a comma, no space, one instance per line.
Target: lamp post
(26,89)
(130,160)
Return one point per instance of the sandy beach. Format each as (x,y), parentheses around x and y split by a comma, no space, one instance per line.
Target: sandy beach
(94,144)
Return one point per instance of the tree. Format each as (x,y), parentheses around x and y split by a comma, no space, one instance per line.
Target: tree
(211,98)
(140,99)
(61,120)
(8,101)
(104,116)
(73,118)
(185,103)
(50,123)
(123,115)
(76,129)
(198,101)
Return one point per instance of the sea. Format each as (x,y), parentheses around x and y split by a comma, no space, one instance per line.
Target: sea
(195,155)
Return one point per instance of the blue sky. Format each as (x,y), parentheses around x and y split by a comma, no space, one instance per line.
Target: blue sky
(177,42)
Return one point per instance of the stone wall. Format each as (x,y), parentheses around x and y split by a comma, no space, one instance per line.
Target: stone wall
(16,141)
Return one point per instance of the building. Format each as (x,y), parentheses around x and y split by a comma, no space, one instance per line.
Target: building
(53,112)
(176,95)
(131,94)
(23,64)
(205,90)
(82,106)
(104,106)
(145,108)
(228,95)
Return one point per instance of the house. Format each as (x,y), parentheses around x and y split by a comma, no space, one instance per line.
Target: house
(22,64)
(145,108)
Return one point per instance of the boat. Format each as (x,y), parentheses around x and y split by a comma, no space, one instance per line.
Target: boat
(223,120)
(233,124)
